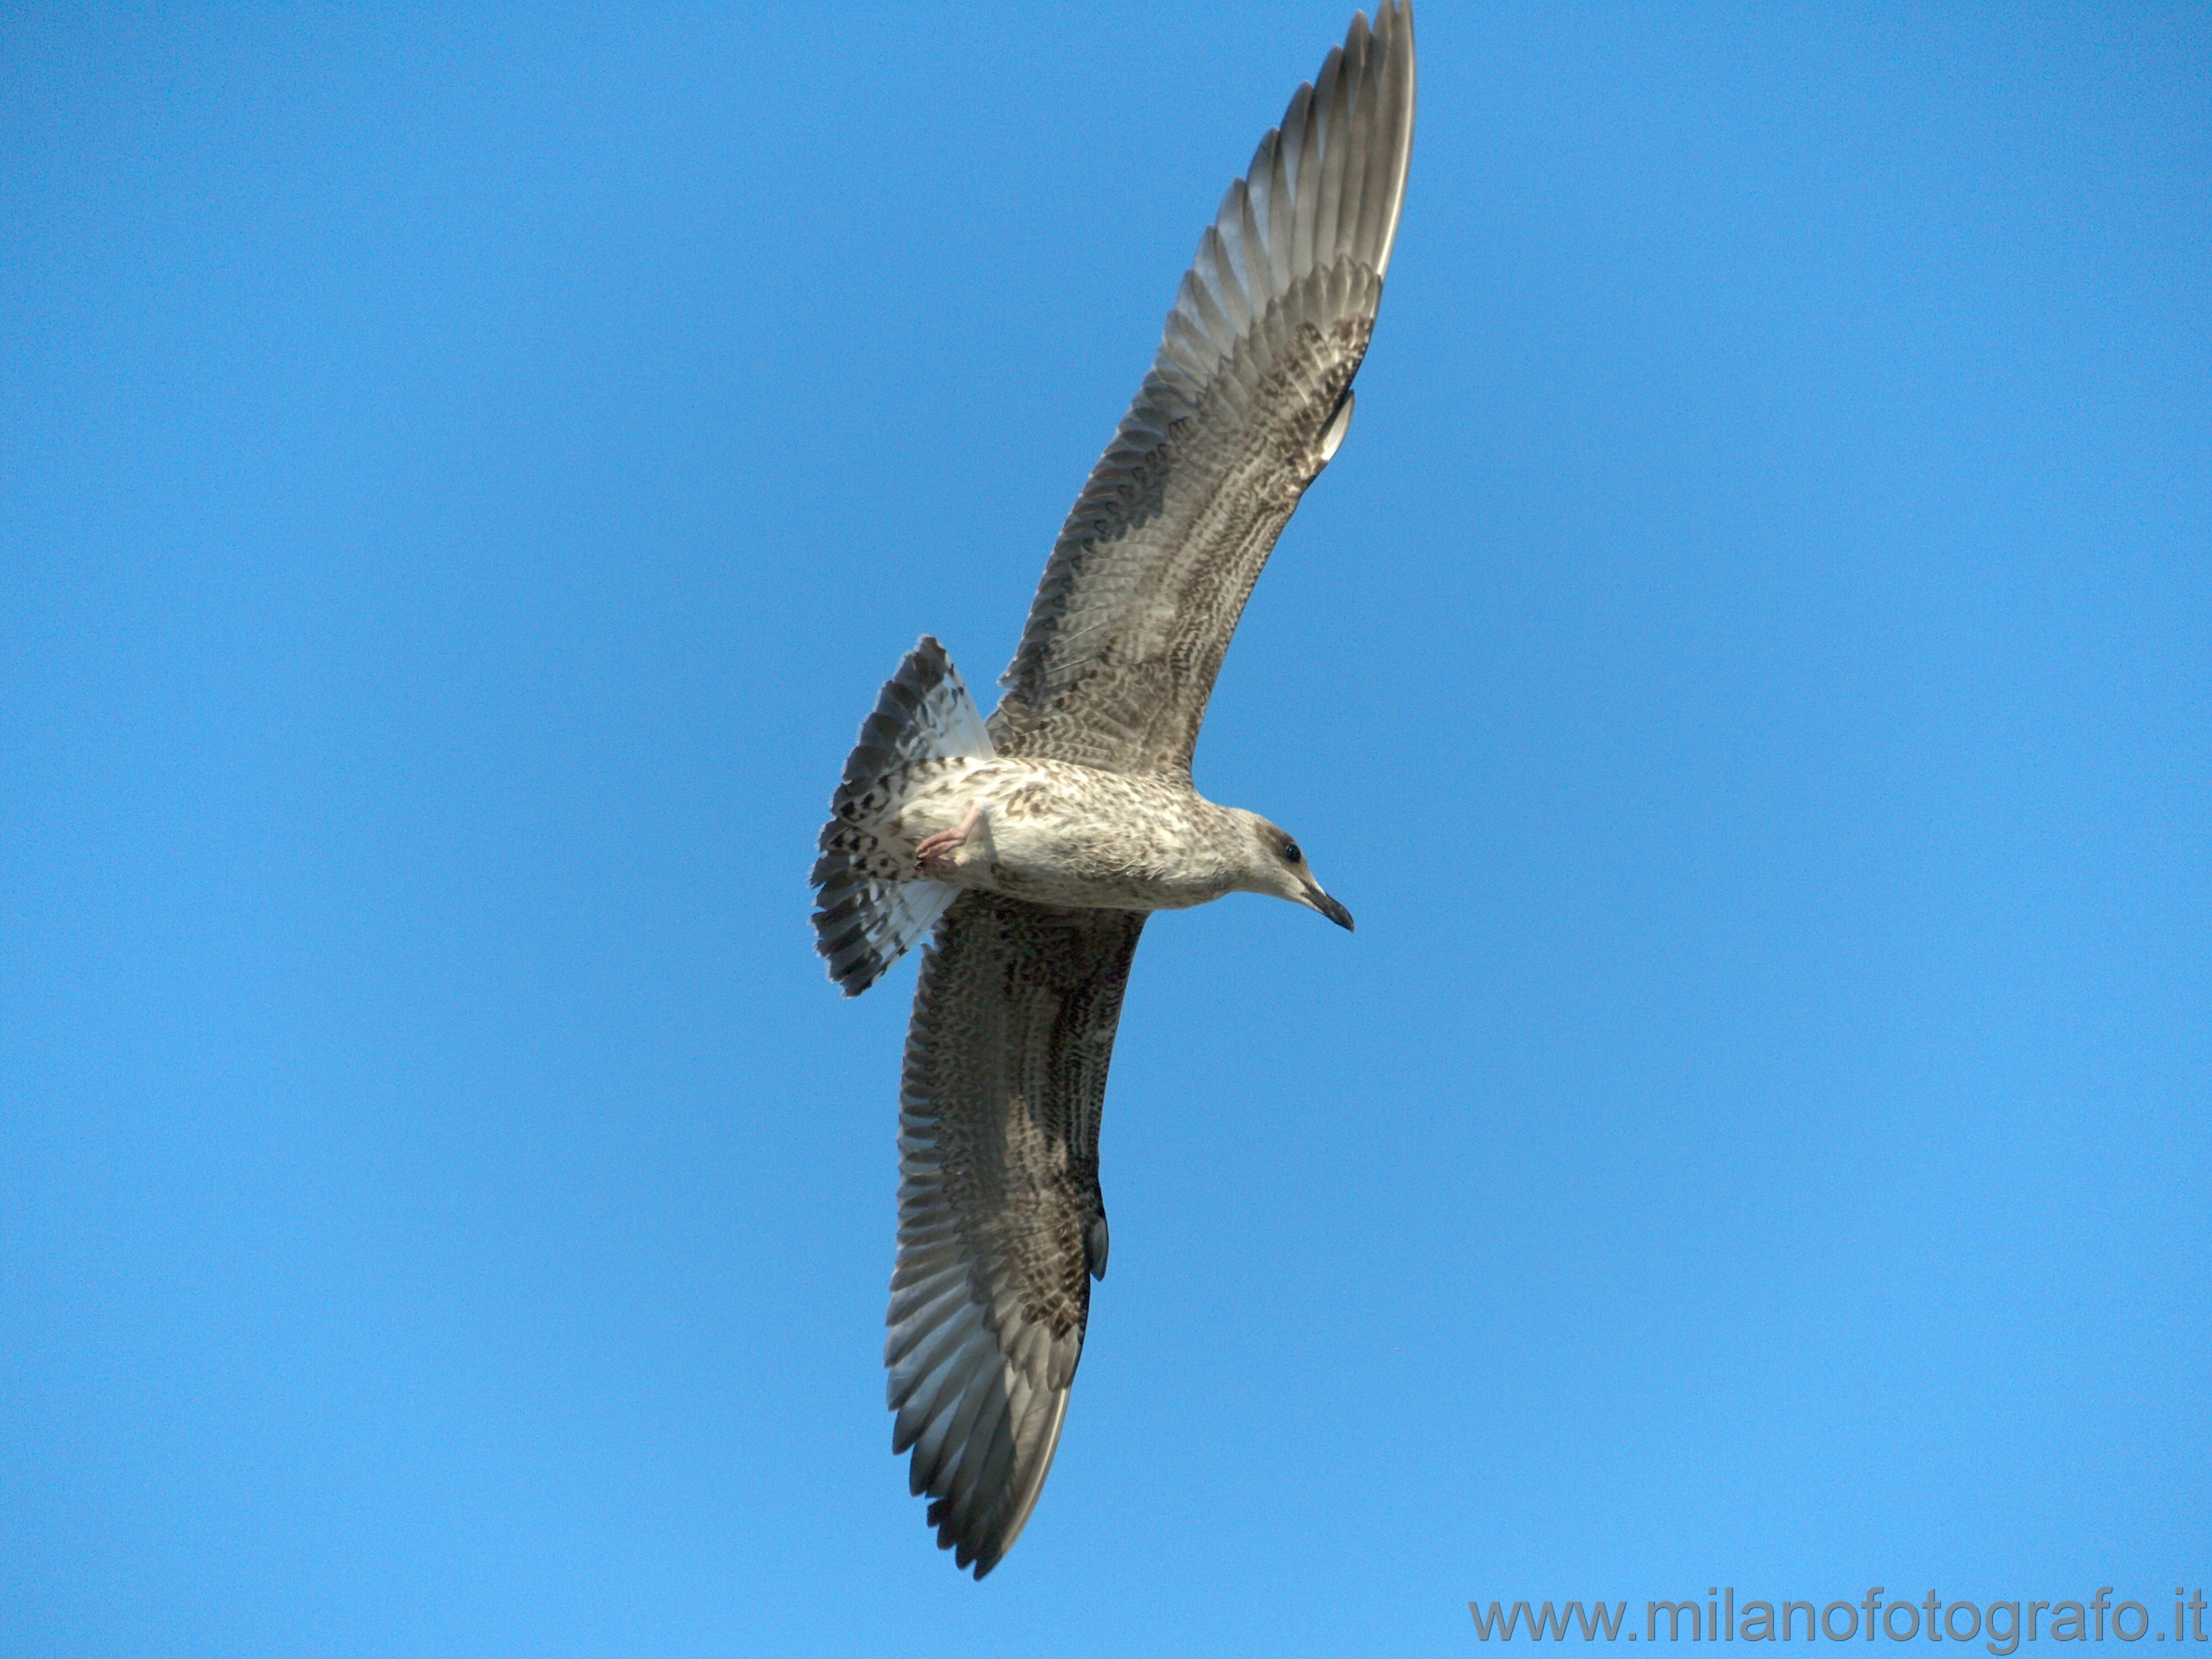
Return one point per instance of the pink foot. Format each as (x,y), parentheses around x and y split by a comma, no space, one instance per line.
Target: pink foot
(934,856)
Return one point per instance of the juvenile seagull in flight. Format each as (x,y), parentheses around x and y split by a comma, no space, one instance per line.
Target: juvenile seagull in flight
(1037,842)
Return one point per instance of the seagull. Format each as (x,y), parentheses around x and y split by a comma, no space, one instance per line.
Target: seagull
(1036,843)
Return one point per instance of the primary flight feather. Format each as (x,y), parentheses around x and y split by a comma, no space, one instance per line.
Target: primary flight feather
(1036,843)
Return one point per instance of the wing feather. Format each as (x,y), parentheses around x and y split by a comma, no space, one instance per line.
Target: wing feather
(1151,570)
(1004,1083)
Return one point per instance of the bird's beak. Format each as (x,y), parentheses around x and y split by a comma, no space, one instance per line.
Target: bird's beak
(1328,907)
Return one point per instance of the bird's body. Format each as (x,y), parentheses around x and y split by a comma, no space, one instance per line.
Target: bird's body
(1036,844)
(1054,832)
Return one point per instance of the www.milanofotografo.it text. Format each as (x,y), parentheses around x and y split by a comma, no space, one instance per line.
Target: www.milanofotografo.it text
(2001,1626)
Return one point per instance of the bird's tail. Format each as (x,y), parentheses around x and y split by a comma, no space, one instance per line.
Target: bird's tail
(866,916)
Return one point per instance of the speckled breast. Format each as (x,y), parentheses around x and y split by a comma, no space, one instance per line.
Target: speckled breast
(1061,833)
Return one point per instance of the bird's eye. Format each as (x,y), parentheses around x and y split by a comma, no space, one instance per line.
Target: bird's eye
(1291,854)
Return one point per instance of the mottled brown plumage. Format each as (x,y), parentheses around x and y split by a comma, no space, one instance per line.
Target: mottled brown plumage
(1044,845)
(1001,1222)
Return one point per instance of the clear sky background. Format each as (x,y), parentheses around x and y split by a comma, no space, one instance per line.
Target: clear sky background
(466,473)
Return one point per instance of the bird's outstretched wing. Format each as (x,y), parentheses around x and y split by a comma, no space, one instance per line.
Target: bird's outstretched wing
(1247,400)
(1001,1225)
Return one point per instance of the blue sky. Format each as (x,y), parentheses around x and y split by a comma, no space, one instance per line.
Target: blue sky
(466,471)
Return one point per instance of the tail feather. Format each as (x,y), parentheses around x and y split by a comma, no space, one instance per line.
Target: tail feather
(866,917)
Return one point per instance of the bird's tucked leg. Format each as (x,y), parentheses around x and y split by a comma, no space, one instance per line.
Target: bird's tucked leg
(934,855)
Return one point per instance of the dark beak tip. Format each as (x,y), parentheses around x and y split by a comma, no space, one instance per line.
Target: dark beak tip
(1336,913)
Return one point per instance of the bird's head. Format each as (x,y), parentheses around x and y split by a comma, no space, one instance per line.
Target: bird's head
(1273,863)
